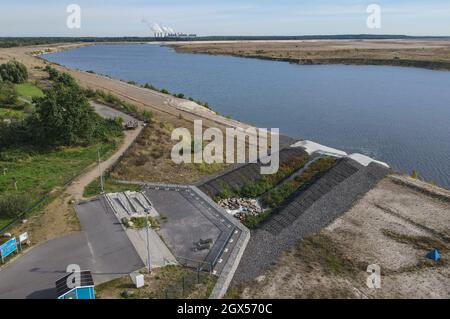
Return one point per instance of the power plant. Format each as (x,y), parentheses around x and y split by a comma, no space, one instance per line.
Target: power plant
(162,31)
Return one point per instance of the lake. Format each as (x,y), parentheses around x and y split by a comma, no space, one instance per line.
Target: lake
(397,115)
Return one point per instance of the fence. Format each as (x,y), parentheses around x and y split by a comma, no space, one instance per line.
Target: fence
(39,203)
(42,200)
(202,266)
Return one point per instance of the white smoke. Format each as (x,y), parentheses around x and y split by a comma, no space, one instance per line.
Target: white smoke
(155,27)
(158,29)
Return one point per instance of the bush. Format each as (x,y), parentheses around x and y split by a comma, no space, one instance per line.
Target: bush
(8,95)
(14,72)
(147,116)
(278,195)
(12,205)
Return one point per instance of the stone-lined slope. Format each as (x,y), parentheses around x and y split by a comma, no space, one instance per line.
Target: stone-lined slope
(308,211)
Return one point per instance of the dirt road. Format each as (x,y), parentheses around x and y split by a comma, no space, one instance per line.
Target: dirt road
(76,189)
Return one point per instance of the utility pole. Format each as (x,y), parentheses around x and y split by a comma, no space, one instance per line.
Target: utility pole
(149,267)
(15,183)
(100,171)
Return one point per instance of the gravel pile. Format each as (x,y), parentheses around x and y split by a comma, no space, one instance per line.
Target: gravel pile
(241,207)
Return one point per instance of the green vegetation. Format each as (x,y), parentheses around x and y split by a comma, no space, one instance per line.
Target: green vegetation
(177,95)
(265,183)
(252,222)
(320,249)
(140,222)
(29,91)
(12,204)
(7,114)
(419,242)
(170,282)
(278,195)
(15,100)
(115,102)
(414,174)
(37,173)
(62,117)
(233,293)
(273,195)
(109,186)
(13,71)
(45,150)
(9,97)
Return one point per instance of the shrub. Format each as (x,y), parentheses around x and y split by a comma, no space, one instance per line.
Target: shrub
(278,195)
(12,205)
(147,116)
(8,95)
(13,71)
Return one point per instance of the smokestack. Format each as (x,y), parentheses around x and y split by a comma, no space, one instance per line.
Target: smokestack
(157,30)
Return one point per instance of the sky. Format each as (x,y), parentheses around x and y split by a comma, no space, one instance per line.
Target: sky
(224,17)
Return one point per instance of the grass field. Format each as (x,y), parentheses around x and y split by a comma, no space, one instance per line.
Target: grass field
(109,186)
(29,90)
(38,173)
(11,114)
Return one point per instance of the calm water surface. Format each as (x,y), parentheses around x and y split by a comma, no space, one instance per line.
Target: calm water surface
(397,115)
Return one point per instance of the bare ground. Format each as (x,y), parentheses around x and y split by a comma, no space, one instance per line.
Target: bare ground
(393,226)
(434,54)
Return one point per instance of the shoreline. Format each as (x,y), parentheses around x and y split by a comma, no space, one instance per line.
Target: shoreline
(424,54)
(145,99)
(426,65)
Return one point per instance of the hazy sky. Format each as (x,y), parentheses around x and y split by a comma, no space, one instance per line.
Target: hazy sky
(223,17)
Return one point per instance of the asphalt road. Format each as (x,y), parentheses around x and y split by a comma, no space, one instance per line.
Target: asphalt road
(102,247)
(110,113)
(33,275)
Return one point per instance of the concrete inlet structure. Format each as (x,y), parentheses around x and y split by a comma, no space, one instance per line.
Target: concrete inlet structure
(131,204)
(194,231)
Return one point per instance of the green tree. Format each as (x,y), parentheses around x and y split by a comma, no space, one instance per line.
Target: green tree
(63,117)
(8,95)
(414,174)
(13,71)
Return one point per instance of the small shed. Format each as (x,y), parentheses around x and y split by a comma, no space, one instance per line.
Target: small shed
(85,289)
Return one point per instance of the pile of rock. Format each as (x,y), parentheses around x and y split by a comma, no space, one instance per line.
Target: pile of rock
(241,207)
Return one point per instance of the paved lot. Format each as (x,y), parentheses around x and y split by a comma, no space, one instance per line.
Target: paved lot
(113,253)
(188,219)
(102,247)
(110,113)
(33,275)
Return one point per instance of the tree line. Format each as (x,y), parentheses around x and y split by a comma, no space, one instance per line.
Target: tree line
(62,117)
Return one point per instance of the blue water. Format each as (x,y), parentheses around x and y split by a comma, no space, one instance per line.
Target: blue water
(397,115)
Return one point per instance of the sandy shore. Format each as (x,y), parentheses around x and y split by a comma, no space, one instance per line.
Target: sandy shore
(163,105)
(421,53)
